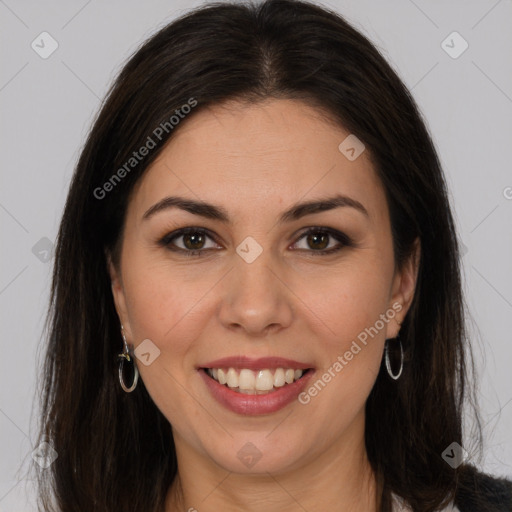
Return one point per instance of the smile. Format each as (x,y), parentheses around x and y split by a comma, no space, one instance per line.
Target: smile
(257,382)
(255,386)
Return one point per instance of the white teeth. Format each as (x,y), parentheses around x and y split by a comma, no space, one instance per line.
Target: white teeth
(254,382)
(264,380)
(221,376)
(246,380)
(232,377)
(279,378)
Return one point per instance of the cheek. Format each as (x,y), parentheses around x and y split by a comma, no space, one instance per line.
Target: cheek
(351,348)
(167,311)
(168,302)
(350,303)
(161,305)
(348,300)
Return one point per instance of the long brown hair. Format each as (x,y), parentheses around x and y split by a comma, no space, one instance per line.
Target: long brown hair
(115,450)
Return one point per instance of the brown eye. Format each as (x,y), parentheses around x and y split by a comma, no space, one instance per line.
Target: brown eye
(189,241)
(318,240)
(193,241)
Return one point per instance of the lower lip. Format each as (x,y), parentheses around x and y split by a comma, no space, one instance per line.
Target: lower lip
(242,403)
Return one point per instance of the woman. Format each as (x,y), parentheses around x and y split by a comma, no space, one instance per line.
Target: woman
(258,224)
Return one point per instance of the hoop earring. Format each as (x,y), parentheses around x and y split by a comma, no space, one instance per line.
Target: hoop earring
(125,356)
(388,364)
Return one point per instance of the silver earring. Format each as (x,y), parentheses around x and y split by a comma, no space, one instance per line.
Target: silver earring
(123,357)
(388,364)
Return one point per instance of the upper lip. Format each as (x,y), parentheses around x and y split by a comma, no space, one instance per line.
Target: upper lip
(256,364)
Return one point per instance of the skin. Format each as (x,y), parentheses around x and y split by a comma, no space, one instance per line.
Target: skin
(256,162)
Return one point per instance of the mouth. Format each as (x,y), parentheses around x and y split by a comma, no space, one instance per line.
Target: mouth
(255,386)
(255,382)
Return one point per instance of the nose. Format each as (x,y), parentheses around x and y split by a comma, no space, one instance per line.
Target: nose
(256,299)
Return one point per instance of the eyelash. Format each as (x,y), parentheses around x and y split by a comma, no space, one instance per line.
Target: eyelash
(167,240)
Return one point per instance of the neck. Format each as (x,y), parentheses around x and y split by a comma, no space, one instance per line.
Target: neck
(339,479)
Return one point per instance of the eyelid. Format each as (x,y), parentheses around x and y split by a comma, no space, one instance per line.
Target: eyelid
(339,236)
(166,240)
(343,239)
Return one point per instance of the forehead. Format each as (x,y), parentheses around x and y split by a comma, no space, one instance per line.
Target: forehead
(257,157)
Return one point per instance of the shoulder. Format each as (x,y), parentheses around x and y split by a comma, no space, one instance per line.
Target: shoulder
(480,492)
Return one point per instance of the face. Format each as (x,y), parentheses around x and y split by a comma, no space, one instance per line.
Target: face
(257,278)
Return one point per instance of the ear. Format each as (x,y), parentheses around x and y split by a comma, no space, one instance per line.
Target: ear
(118,294)
(404,285)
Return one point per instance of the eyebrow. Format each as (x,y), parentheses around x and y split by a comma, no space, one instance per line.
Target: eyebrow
(214,212)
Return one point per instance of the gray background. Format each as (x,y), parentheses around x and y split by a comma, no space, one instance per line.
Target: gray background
(47,106)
